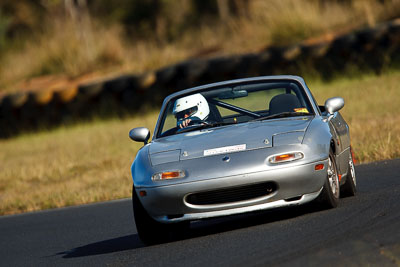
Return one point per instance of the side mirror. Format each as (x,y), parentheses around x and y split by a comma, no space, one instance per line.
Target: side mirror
(140,134)
(332,105)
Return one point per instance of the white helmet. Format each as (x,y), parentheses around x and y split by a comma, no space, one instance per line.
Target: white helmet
(193,106)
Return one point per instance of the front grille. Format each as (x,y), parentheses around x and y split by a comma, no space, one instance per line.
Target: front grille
(232,194)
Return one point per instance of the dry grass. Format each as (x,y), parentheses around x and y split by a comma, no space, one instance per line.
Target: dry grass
(371,111)
(64,48)
(68,166)
(78,49)
(91,162)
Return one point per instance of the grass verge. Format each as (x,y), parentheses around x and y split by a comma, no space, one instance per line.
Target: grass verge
(91,162)
(371,112)
(68,166)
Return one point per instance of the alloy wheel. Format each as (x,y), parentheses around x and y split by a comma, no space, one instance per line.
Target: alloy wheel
(333,178)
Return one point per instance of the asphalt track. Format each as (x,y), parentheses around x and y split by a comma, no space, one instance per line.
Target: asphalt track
(363,231)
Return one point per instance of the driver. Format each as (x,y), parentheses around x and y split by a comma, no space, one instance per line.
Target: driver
(190,109)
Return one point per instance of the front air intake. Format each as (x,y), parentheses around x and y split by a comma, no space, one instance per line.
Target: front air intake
(232,194)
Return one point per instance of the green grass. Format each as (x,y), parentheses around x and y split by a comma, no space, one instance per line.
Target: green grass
(91,162)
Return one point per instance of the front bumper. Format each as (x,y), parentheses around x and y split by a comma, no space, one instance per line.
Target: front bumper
(296,185)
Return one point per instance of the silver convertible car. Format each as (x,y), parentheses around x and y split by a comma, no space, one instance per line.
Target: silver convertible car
(239,146)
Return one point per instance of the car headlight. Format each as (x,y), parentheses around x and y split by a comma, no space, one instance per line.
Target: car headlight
(164,157)
(285,157)
(291,138)
(168,175)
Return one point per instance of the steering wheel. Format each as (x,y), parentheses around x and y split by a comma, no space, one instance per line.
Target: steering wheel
(192,125)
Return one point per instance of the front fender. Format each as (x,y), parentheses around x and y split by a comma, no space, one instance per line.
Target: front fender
(141,167)
(318,137)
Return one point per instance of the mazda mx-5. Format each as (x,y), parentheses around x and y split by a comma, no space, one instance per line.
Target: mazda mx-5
(239,146)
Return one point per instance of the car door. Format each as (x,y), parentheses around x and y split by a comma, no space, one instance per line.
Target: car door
(343,141)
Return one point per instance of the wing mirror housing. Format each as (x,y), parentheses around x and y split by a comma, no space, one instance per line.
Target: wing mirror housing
(333,105)
(140,134)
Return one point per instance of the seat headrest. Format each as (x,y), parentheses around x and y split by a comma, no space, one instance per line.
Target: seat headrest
(283,103)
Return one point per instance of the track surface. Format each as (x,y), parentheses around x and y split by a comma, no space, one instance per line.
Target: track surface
(363,230)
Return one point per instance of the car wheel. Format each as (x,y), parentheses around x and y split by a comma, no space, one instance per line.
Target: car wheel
(329,197)
(349,189)
(151,231)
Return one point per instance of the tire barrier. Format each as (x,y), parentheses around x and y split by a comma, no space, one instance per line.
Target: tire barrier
(368,49)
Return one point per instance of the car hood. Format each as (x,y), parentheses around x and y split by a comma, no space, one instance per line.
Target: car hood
(227,139)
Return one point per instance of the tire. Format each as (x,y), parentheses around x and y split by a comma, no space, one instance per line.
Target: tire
(329,197)
(66,95)
(349,189)
(151,231)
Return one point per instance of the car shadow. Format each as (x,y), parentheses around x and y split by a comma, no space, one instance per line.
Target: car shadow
(118,244)
(225,224)
(197,229)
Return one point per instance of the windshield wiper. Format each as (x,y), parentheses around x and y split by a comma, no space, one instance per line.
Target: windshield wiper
(203,126)
(215,124)
(283,115)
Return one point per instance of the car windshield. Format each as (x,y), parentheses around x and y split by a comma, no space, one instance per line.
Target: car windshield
(234,104)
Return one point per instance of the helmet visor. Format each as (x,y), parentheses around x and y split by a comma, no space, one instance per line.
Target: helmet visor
(186,113)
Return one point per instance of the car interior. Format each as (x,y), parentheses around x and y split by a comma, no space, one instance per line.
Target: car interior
(245,102)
